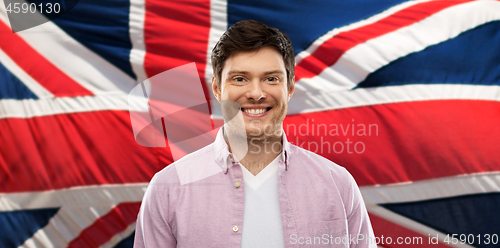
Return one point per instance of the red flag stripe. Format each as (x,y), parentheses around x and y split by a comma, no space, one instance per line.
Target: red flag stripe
(104,228)
(390,149)
(61,151)
(175,37)
(331,50)
(38,67)
(45,156)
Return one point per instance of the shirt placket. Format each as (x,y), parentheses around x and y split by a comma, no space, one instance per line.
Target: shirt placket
(238,203)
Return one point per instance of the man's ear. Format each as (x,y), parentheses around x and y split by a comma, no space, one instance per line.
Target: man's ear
(292,89)
(215,89)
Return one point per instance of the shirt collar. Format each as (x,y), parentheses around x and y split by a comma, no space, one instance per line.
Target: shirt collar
(225,159)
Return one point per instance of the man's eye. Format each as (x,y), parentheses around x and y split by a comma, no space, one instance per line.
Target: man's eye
(239,79)
(272,79)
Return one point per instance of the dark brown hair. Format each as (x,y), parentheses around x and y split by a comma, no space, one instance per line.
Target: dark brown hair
(250,35)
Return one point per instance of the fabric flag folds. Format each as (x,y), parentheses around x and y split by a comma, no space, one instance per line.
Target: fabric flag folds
(404,94)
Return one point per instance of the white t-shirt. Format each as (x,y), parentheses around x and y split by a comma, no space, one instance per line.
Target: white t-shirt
(262,225)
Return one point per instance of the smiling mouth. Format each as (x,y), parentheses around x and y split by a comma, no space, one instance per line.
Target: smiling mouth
(255,111)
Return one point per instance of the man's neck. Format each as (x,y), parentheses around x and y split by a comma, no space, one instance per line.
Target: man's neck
(261,152)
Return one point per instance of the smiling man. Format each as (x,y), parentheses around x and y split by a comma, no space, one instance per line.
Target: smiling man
(255,189)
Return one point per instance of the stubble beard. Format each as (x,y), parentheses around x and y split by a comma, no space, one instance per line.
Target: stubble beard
(258,135)
(269,132)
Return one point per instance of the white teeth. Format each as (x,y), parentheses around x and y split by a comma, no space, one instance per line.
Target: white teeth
(254,111)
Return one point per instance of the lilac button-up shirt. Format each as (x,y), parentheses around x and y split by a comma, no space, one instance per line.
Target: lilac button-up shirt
(198,201)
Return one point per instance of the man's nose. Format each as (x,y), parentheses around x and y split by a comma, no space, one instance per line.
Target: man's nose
(255,91)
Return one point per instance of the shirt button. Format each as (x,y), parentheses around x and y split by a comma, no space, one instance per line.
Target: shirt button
(224,166)
(235,229)
(232,159)
(237,184)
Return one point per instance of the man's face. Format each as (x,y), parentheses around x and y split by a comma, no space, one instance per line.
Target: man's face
(257,81)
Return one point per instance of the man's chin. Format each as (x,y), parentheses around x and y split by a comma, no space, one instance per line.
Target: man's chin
(263,133)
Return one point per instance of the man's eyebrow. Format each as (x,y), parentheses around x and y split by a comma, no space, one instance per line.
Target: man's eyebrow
(274,72)
(246,72)
(237,72)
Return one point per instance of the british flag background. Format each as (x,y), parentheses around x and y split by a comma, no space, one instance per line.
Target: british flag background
(423,75)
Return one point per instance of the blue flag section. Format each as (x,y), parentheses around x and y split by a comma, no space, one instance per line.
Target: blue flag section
(126,242)
(472,218)
(304,27)
(12,88)
(22,224)
(103,27)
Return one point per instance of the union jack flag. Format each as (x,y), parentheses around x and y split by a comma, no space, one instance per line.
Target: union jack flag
(403,94)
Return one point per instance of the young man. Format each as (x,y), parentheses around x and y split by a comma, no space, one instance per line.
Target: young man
(256,189)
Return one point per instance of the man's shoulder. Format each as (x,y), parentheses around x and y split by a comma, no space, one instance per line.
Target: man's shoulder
(311,160)
(182,170)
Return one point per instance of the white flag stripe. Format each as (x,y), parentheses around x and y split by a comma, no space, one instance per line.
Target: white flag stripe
(77,197)
(218,20)
(28,108)
(138,52)
(325,101)
(426,189)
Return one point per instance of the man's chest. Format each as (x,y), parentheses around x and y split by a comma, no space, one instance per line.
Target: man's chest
(213,213)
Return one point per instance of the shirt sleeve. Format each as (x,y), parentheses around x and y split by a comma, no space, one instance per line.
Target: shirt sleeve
(152,229)
(358,219)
